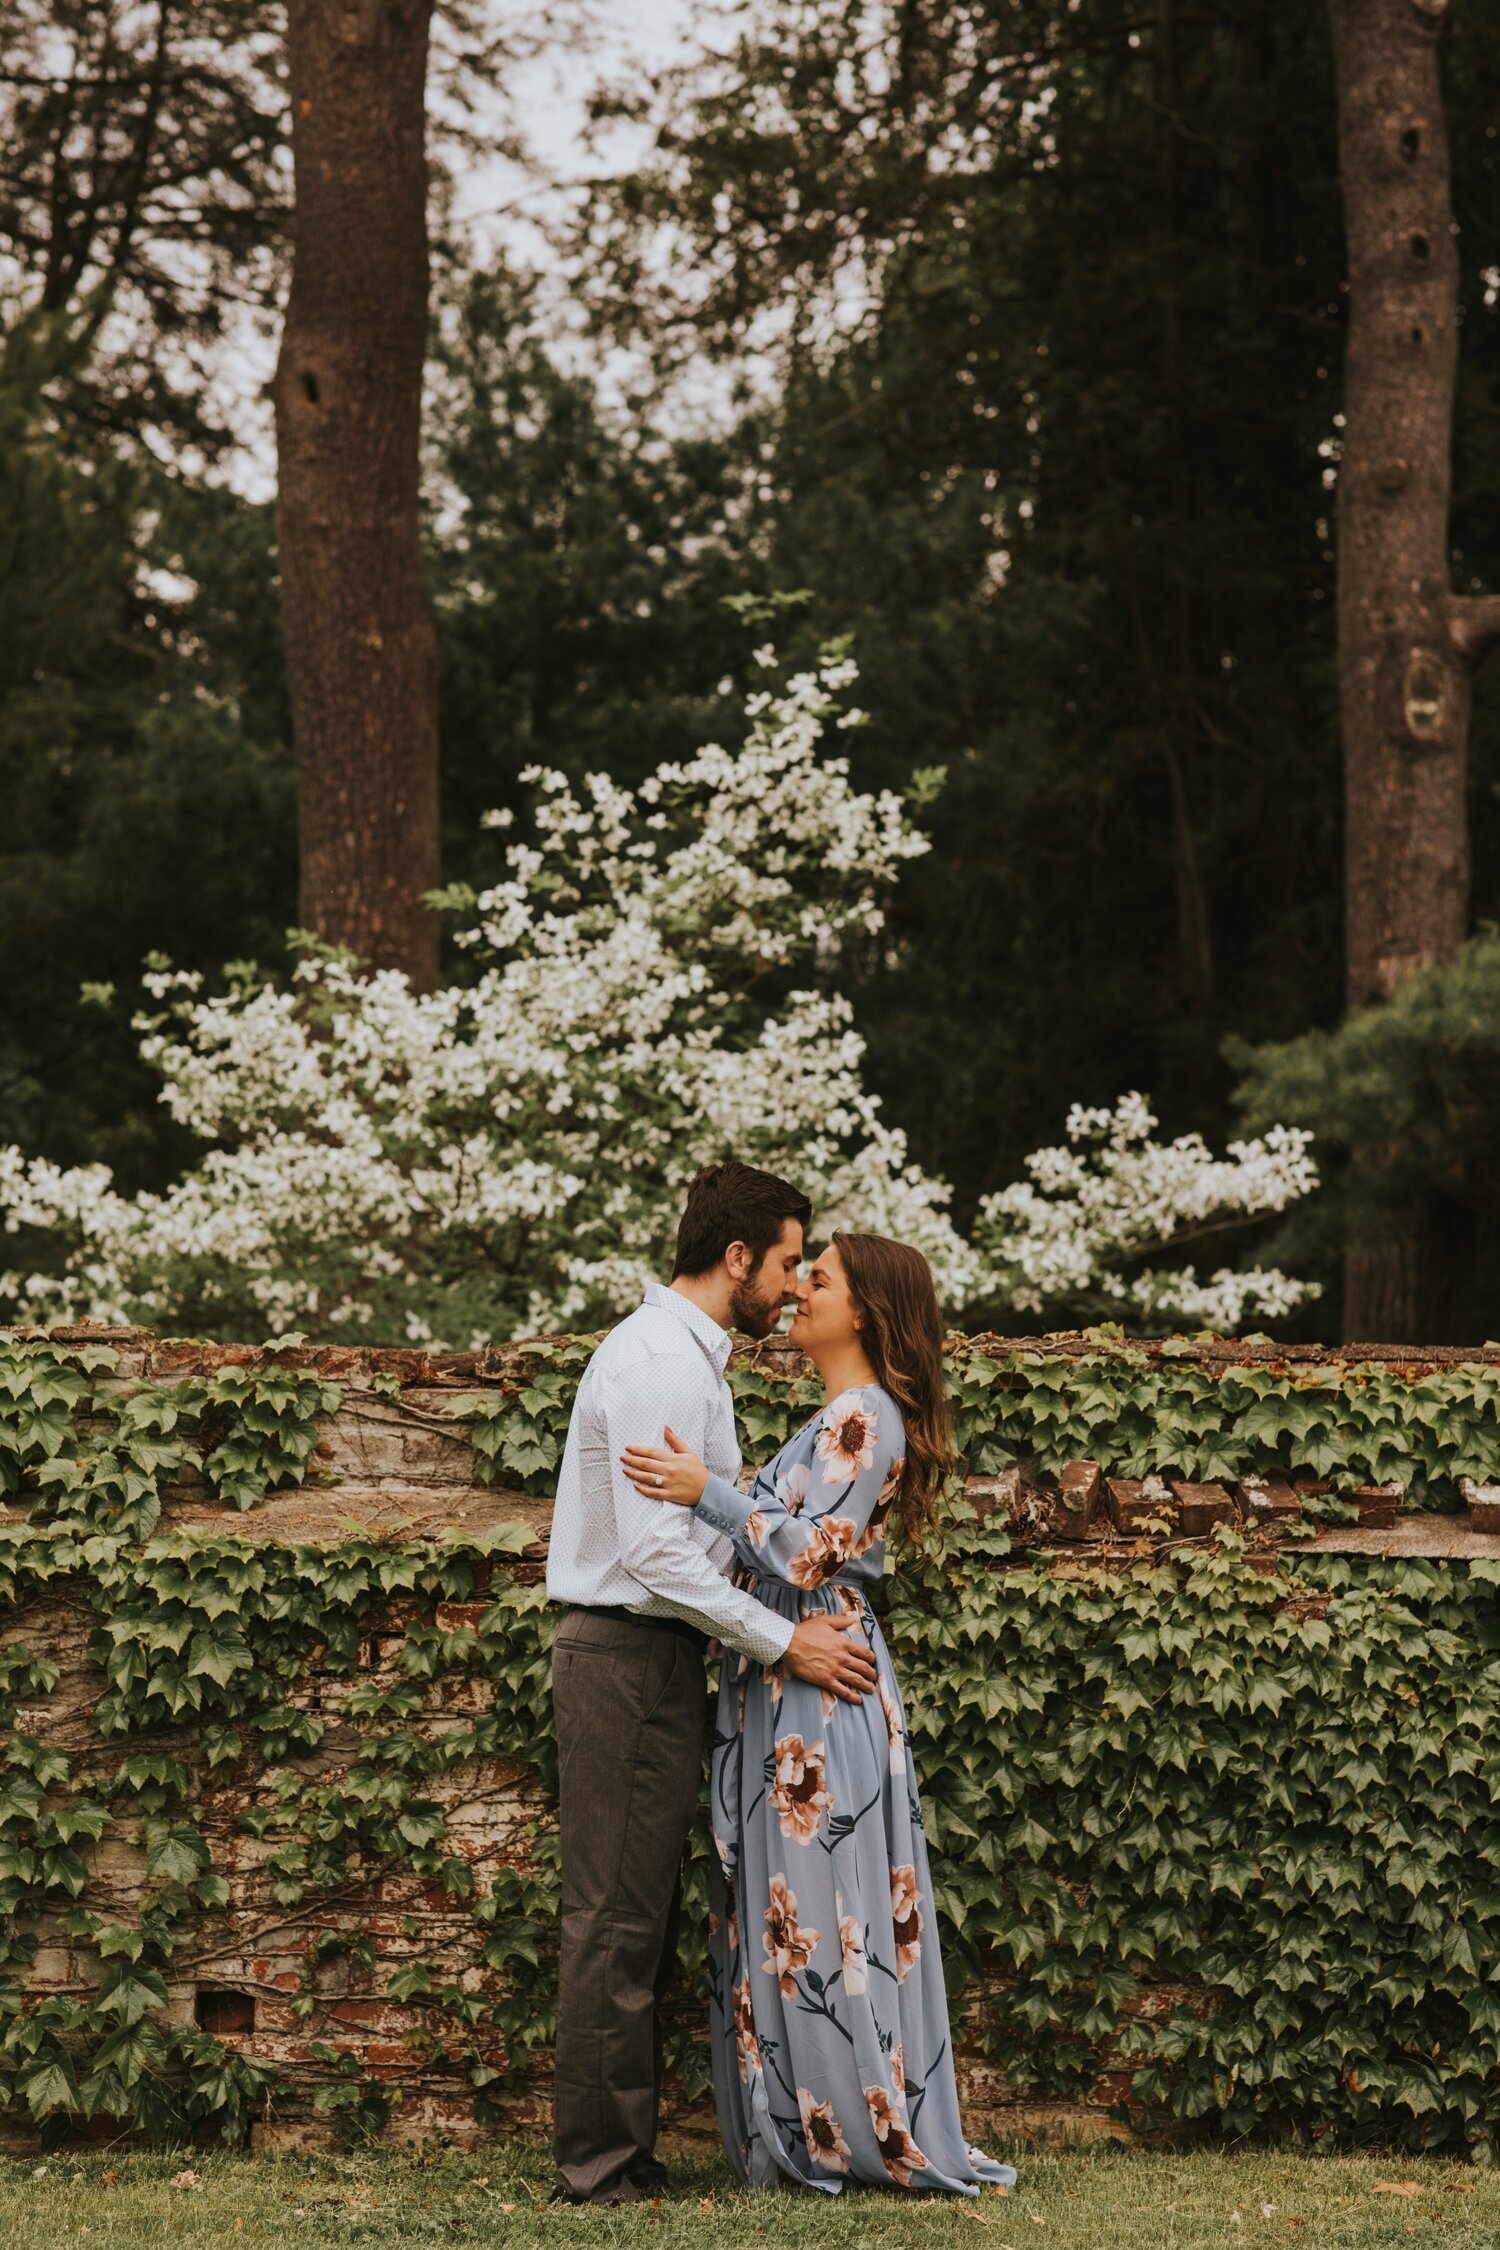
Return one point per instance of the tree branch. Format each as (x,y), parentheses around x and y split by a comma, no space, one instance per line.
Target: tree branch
(1474,623)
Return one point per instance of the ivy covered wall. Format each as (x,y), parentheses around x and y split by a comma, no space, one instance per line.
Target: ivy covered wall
(1210,1746)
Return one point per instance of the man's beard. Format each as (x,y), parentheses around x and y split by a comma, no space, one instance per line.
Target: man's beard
(752,1314)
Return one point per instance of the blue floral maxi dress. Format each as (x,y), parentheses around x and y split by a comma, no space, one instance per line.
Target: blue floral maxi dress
(832,2053)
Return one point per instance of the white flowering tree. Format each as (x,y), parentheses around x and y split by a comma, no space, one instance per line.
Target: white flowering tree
(508,1154)
(1085,1232)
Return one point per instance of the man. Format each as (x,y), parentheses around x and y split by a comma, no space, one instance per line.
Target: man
(646,1585)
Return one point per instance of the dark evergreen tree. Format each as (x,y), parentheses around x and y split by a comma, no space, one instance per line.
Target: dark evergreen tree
(1056,297)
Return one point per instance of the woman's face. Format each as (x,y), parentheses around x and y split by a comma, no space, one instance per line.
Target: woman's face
(825,1317)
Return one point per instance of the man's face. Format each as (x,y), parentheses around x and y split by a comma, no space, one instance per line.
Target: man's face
(759,1298)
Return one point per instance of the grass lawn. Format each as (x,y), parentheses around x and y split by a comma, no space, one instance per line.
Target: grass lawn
(1109,2200)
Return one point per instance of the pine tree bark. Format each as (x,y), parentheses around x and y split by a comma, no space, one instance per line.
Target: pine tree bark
(1181,735)
(360,646)
(1406,643)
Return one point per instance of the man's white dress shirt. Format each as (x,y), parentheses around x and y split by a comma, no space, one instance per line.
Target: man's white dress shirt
(612,1549)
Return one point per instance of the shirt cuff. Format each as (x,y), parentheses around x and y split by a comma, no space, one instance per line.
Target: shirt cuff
(723,1505)
(777,1638)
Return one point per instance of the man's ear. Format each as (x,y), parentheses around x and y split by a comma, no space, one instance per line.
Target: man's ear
(740,1259)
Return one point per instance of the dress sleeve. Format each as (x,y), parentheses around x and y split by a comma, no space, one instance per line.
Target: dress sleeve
(824,1499)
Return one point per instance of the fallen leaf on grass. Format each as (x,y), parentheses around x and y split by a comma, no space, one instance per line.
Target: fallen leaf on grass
(1266,2209)
(185,2180)
(108,2176)
(705,2202)
(1236,2219)
(1460,2187)
(1398,2187)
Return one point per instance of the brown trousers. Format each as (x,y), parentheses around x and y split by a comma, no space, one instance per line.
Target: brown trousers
(629,1704)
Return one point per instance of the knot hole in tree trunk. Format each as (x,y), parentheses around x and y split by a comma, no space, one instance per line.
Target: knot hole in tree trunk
(310,389)
(1424,696)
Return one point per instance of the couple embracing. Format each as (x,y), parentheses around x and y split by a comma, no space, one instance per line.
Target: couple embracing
(831,2046)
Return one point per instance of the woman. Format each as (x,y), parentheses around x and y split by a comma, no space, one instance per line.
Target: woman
(832,2055)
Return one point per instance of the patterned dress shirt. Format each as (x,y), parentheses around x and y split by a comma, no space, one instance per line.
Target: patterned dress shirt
(612,1549)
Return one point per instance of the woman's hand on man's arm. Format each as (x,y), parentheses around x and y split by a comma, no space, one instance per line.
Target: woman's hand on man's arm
(674,1473)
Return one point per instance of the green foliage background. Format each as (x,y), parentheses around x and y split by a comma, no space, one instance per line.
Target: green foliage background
(1063,480)
(1230,1837)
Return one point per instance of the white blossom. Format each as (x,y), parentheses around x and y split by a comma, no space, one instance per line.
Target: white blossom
(509,1154)
(1073,1233)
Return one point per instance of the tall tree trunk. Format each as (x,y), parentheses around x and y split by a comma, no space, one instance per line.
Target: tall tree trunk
(1406,642)
(1181,735)
(360,646)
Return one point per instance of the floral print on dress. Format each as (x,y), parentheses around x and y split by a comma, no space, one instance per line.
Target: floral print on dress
(799,1796)
(895,1731)
(822,2132)
(836,2063)
(747,2046)
(789,1946)
(846,1441)
(906,1920)
(809,1534)
(899,2153)
(826,1552)
(792,1489)
(874,1531)
(852,1956)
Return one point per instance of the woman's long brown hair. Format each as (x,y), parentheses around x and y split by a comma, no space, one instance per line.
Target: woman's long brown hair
(902,1330)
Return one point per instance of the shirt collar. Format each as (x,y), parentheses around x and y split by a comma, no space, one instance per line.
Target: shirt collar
(717,1343)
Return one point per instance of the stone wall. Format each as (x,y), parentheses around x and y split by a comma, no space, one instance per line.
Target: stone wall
(396,1465)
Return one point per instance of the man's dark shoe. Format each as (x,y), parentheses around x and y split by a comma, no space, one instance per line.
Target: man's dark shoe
(624,2191)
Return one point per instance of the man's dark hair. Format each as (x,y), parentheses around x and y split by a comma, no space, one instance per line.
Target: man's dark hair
(733,1203)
